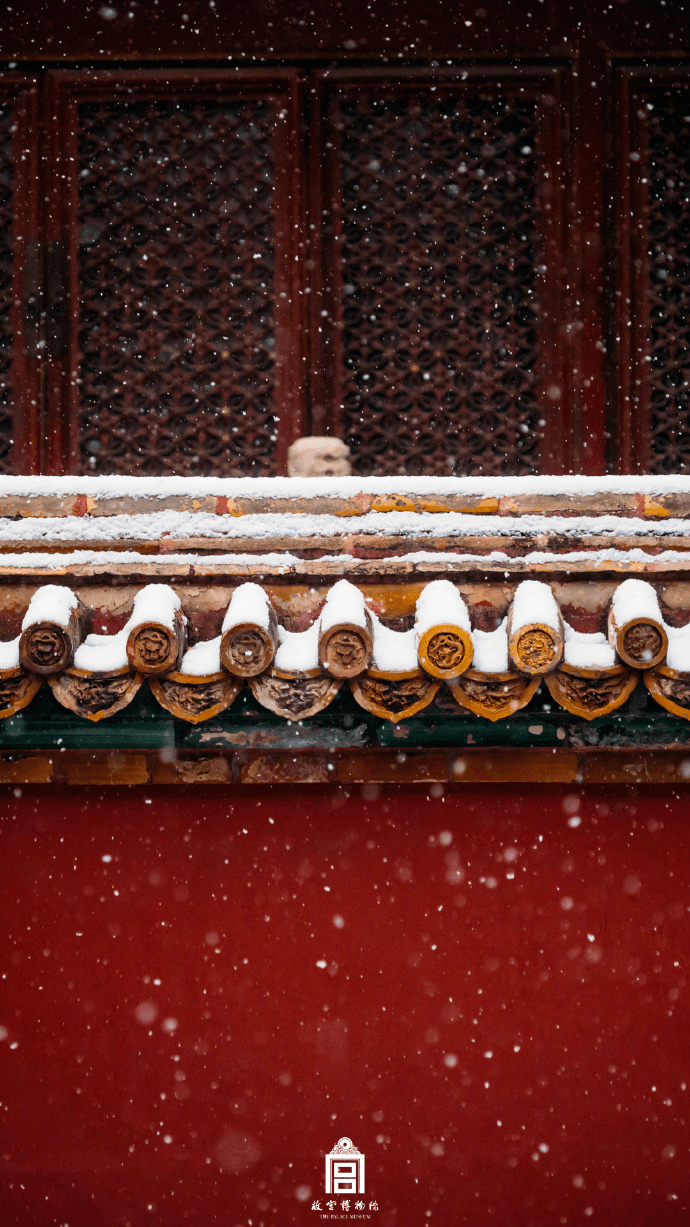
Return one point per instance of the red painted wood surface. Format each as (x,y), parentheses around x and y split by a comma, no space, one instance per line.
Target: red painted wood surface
(20,275)
(203,991)
(596,50)
(499,391)
(201,320)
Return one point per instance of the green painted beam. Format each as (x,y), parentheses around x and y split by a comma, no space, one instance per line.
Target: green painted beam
(342,726)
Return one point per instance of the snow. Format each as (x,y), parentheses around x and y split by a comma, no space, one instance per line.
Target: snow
(249,603)
(189,525)
(439,603)
(635,598)
(103,653)
(298,651)
(51,603)
(9,654)
(106,487)
(203,659)
(344,603)
(678,655)
(105,562)
(394,651)
(155,603)
(108,653)
(587,651)
(534,602)
(491,649)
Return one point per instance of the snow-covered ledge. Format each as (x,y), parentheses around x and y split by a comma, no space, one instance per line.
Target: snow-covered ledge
(393,672)
(540,608)
(200,528)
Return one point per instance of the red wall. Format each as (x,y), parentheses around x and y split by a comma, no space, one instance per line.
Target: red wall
(501,1025)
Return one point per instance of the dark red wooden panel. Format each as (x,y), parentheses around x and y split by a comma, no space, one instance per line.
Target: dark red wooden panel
(653,338)
(202,991)
(20,276)
(193,30)
(440,311)
(177,229)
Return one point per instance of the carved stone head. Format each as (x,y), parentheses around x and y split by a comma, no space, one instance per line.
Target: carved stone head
(318,456)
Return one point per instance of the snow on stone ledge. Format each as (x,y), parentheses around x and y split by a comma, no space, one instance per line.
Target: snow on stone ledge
(181,526)
(51,603)
(117,486)
(298,651)
(534,602)
(678,654)
(491,649)
(103,653)
(344,603)
(249,603)
(203,659)
(394,651)
(439,603)
(587,651)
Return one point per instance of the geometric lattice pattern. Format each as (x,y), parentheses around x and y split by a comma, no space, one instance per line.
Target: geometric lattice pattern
(439,255)
(6,270)
(668,289)
(176,330)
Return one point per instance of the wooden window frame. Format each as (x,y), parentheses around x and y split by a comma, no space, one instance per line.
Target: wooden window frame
(631,270)
(66,89)
(556,453)
(26,369)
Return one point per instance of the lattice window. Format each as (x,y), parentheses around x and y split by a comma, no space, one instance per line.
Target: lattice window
(436,290)
(176,269)
(652,339)
(7,123)
(668,229)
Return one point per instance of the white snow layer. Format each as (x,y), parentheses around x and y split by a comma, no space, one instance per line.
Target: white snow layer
(573,485)
(534,602)
(108,562)
(394,651)
(51,603)
(249,603)
(103,653)
(180,526)
(155,603)
(635,598)
(203,658)
(587,651)
(440,602)
(344,603)
(491,649)
(678,655)
(108,653)
(298,650)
